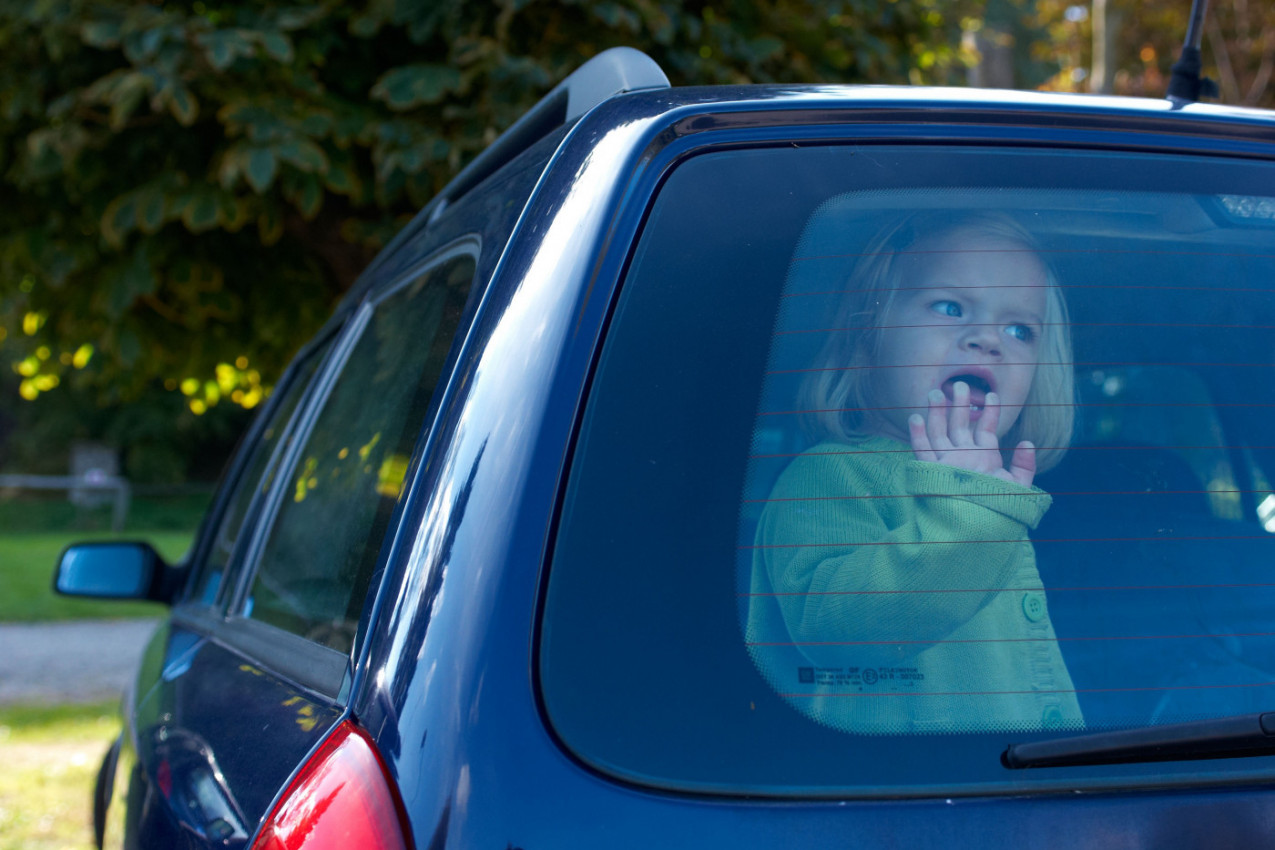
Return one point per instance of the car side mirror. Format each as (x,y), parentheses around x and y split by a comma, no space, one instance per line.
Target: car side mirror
(111,570)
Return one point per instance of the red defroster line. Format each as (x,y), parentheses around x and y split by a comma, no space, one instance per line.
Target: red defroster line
(1192,365)
(1101,286)
(1051,252)
(1089,588)
(1165,539)
(1028,693)
(909,451)
(1041,324)
(1000,640)
(1051,492)
(1040,404)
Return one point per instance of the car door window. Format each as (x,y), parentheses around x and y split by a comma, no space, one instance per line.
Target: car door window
(255,478)
(317,561)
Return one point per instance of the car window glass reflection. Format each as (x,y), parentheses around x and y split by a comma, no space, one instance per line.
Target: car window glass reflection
(1013,477)
(254,480)
(894,586)
(318,559)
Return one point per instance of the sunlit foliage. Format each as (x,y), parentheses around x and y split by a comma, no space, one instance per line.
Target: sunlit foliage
(187,184)
(1238,48)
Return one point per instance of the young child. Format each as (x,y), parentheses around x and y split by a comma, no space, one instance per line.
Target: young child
(894,587)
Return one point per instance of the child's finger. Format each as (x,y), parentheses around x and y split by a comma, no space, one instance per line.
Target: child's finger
(985,430)
(1022,466)
(920,441)
(936,421)
(958,421)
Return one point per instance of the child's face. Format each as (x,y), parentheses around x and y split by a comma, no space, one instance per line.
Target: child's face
(970,308)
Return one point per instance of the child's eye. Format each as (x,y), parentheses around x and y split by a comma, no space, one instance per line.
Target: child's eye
(947,308)
(1022,333)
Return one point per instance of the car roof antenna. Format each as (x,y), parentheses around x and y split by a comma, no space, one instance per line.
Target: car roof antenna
(1186,85)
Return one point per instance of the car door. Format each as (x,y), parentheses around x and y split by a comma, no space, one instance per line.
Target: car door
(253,669)
(174,646)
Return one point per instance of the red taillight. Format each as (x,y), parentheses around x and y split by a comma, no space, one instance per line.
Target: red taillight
(341,799)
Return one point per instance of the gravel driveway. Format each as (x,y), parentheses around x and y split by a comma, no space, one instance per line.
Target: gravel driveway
(84,661)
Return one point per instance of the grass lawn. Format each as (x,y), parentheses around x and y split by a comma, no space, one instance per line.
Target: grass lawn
(49,755)
(33,533)
(50,758)
(28,560)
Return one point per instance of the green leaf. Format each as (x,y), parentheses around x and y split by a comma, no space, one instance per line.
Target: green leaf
(101,34)
(227,209)
(299,17)
(200,213)
(278,45)
(316,124)
(365,26)
(128,346)
(412,85)
(150,210)
(340,180)
(119,218)
(127,96)
(235,213)
(260,169)
(219,54)
(183,105)
(132,280)
(766,46)
(309,197)
(141,45)
(303,154)
(341,175)
(232,163)
(223,47)
(616,16)
(270,225)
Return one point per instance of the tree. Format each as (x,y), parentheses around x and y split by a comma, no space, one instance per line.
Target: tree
(190,187)
(1143,40)
(196,185)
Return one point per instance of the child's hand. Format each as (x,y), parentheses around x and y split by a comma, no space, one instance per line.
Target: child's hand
(946,437)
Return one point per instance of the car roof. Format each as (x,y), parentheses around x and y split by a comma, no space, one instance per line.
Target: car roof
(622,83)
(919,96)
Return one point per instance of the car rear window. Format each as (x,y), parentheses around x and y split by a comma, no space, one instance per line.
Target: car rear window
(897,455)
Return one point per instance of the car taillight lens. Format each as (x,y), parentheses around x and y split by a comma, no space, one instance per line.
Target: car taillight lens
(341,799)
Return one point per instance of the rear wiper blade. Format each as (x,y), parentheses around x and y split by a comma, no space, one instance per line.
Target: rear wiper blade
(1222,737)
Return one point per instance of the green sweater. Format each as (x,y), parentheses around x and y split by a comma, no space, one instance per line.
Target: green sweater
(894,596)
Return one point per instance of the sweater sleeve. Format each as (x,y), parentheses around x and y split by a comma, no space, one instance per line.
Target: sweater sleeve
(888,554)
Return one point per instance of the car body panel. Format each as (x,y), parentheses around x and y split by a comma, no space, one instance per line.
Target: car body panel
(445,675)
(212,739)
(458,713)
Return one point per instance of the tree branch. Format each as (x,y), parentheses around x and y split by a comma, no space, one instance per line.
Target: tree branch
(1258,88)
(1230,85)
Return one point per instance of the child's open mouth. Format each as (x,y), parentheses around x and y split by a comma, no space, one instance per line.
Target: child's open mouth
(979,388)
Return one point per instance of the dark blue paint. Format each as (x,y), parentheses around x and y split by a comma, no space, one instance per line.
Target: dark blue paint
(445,678)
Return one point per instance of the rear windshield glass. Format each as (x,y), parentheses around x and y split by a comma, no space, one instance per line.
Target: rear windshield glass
(893,444)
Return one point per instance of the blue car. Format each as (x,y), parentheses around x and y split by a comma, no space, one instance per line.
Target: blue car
(751,466)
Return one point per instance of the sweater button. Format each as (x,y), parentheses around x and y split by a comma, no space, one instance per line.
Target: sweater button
(1034,606)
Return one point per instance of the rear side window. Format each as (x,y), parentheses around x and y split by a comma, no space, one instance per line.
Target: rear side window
(346,476)
(896,456)
(255,480)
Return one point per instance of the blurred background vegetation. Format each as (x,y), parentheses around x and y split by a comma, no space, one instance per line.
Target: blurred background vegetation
(190,187)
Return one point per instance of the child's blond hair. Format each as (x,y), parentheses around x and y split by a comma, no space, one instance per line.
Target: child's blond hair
(838,394)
